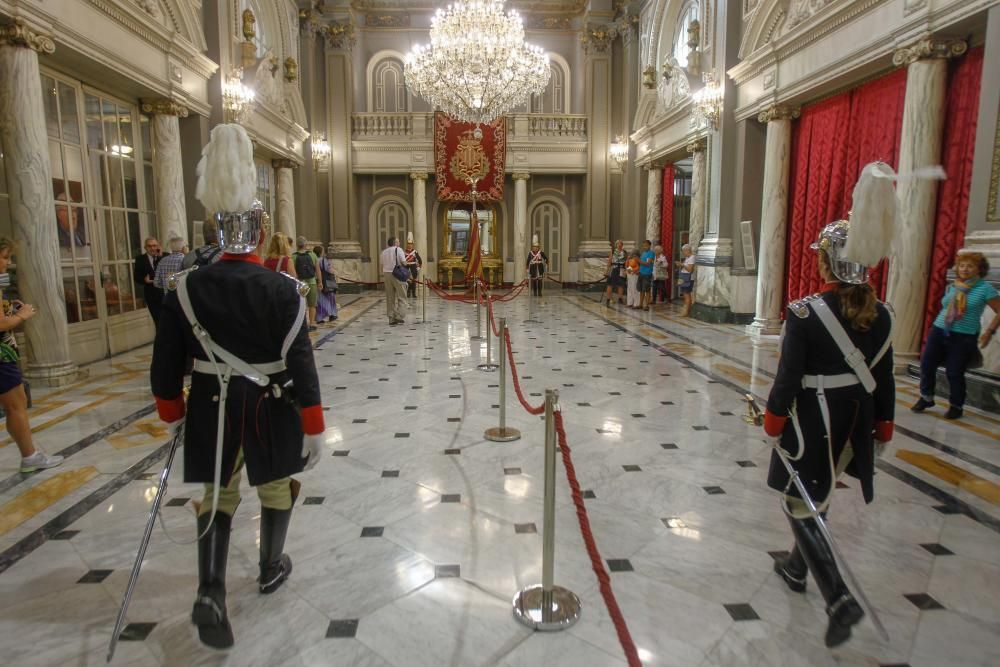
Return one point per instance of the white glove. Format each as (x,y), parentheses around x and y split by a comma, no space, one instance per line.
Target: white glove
(880,448)
(312,450)
(772,440)
(175,427)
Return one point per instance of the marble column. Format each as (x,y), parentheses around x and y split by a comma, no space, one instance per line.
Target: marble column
(699,192)
(419,179)
(920,146)
(598,83)
(284,177)
(520,224)
(654,203)
(168,170)
(773,220)
(29,182)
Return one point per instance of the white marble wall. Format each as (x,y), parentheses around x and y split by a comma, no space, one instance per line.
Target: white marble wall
(773,228)
(698,196)
(593,260)
(920,146)
(168,178)
(654,201)
(712,282)
(520,225)
(284,178)
(29,182)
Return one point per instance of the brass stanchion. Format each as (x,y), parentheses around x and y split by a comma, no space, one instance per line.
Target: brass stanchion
(479,316)
(502,433)
(531,304)
(546,606)
(489,366)
(423,303)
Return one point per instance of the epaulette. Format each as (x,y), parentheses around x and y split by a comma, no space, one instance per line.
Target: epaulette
(801,307)
(174,277)
(300,287)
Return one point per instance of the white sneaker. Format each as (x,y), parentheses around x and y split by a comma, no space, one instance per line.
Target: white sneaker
(40,461)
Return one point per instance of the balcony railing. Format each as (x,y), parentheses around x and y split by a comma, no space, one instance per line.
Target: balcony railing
(520,127)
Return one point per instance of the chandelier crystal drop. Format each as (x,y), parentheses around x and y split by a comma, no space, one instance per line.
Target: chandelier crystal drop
(477,66)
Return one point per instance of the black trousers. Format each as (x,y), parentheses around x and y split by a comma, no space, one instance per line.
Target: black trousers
(953,350)
(536,285)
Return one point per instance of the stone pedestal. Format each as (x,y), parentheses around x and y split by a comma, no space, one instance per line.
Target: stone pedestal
(284,178)
(419,179)
(920,146)
(773,221)
(347,262)
(699,192)
(29,182)
(168,170)
(654,201)
(520,225)
(714,265)
(593,260)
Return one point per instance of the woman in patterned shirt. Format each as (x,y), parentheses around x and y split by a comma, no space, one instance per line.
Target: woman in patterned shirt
(12,396)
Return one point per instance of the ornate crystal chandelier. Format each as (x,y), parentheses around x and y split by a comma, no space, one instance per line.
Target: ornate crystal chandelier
(477,66)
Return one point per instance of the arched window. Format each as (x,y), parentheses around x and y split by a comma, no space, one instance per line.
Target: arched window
(547,222)
(554,99)
(264,40)
(388,87)
(680,49)
(391,220)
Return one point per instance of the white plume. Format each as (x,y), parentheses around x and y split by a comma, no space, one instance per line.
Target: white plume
(534,239)
(873,215)
(227,178)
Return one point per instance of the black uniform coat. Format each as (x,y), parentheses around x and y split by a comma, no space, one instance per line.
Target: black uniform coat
(415,264)
(150,292)
(807,348)
(536,270)
(248,310)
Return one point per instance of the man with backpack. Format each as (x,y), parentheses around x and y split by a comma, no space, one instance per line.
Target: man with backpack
(206,254)
(306,270)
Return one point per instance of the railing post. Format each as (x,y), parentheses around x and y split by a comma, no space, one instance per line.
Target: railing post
(546,606)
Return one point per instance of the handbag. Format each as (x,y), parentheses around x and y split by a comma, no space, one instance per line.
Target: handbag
(400,272)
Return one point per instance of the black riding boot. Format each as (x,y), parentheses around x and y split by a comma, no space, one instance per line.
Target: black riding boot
(275,566)
(841,607)
(209,612)
(793,569)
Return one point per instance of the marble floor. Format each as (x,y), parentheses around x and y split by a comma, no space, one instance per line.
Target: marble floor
(414,533)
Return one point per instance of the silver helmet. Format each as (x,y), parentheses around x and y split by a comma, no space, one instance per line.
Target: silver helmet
(240,233)
(832,240)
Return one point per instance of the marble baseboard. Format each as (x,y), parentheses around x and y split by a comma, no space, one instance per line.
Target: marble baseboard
(719,315)
(982,389)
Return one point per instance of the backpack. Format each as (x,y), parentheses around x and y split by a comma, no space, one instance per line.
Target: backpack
(202,256)
(305,265)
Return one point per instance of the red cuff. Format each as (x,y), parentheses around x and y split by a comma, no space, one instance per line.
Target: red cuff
(312,420)
(170,409)
(883,431)
(773,424)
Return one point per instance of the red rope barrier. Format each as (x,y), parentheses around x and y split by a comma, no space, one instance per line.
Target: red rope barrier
(356,282)
(517,382)
(492,320)
(576,282)
(603,579)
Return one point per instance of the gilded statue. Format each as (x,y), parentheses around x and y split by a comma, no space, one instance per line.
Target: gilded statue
(291,69)
(249,21)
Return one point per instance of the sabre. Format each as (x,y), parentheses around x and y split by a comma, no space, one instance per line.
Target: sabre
(756,416)
(153,511)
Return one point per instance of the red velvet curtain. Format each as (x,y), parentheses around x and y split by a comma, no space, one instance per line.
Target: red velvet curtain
(957,148)
(831,143)
(667,212)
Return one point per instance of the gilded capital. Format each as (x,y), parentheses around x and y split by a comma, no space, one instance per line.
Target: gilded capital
(418,175)
(929,48)
(340,35)
(20,35)
(520,175)
(597,38)
(284,163)
(778,112)
(696,146)
(163,107)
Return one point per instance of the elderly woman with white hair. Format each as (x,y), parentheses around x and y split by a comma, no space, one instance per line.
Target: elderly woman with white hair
(686,278)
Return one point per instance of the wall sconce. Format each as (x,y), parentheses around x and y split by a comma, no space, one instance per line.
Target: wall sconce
(649,77)
(237,98)
(320,151)
(708,101)
(619,151)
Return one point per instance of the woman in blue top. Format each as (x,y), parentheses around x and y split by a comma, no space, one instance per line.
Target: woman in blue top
(952,339)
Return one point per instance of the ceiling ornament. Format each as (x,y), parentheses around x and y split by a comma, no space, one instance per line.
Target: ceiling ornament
(387,20)
(477,66)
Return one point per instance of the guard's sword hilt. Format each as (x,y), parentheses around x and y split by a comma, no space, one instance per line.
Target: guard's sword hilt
(754,414)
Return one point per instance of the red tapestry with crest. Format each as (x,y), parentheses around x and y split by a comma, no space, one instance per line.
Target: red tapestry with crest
(461,153)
